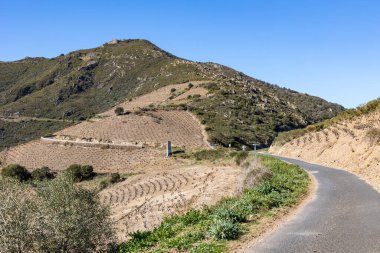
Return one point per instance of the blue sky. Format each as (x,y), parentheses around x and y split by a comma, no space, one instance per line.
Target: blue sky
(327,48)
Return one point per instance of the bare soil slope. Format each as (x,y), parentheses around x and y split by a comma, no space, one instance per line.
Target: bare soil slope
(58,157)
(151,128)
(142,201)
(350,144)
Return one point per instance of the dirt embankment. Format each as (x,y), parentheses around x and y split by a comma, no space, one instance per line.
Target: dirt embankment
(352,145)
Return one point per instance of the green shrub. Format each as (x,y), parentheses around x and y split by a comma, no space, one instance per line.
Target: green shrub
(75,171)
(190,85)
(209,154)
(226,212)
(36,219)
(81,172)
(115,178)
(43,173)
(225,229)
(173,90)
(16,171)
(119,111)
(87,172)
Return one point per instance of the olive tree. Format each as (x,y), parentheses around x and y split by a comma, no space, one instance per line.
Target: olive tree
(54,216)
(72,218)
(18,217)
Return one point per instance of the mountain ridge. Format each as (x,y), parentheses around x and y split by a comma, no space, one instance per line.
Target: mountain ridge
(83,83)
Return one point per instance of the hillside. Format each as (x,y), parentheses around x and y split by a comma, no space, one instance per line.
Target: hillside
(238,109)
(349,141)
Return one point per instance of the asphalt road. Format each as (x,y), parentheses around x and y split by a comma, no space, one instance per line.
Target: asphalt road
(344,216)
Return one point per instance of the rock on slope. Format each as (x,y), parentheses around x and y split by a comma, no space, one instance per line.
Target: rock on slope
(351,142)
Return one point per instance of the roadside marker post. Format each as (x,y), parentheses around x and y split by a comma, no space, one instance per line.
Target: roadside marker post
(255,147)
(169,149)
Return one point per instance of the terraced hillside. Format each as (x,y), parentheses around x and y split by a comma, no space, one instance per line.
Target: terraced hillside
(152,128)
(237,110)
(350,141)
(111,143)
(59,157)
(141,202)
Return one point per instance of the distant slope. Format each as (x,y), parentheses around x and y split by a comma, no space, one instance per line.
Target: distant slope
(350,141)
(239,109)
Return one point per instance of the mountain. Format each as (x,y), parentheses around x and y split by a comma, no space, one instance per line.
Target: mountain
(239,110)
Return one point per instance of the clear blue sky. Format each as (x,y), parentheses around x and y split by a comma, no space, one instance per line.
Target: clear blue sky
(328,48)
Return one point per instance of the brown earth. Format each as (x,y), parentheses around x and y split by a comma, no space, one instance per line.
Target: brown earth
(58,157)
(352,145)
(158,127)
(142,201)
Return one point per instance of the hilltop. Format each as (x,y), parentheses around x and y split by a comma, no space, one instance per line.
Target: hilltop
(237,110)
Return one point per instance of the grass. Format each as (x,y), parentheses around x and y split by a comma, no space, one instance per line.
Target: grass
(211,228)
(213,155)
(346,115)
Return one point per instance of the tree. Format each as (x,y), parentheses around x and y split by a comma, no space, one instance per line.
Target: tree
(17,216)
(72,218)
(56,216)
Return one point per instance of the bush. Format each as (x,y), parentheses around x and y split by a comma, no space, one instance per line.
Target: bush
(16,171)
(58,216)
(225,229)
(43,173)
(173,90)
(115,178)
(17,223)
(190,85)
(87,172)
(209,154)
(226,212)
(81,172)
(119,111)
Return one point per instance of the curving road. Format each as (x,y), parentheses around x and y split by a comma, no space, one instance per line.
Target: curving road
(344,217)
